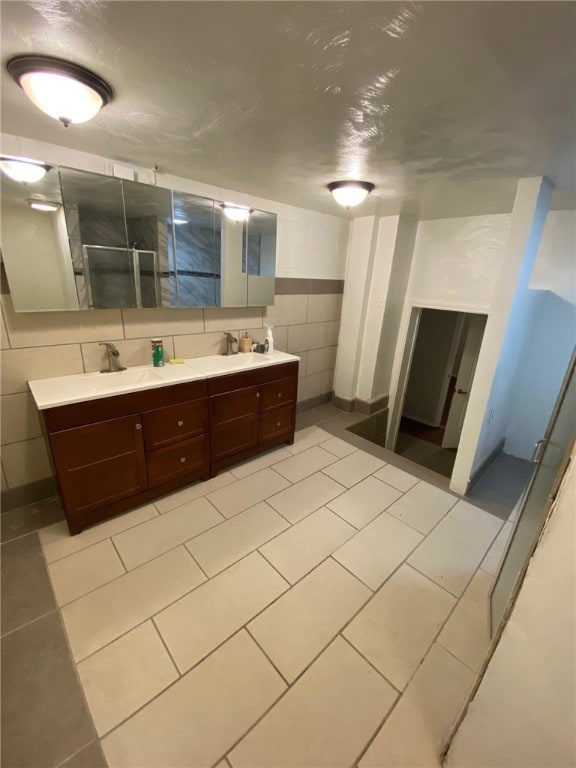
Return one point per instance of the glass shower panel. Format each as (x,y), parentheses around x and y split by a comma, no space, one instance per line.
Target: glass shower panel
(109,276)
(147,279)
(195,243)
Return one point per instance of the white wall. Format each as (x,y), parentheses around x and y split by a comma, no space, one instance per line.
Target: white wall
(524,711)
(456,261)
(555,268)
(544,360)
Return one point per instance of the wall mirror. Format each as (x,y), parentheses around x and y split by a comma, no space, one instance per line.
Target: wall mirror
(110,243)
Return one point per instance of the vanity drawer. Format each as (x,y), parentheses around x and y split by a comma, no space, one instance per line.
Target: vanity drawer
(182,458)
(176,422)
(233,436)
(233,405)
(276,422)
(278,393)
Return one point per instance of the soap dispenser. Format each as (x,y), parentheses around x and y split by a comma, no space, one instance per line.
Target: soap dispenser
(269,339)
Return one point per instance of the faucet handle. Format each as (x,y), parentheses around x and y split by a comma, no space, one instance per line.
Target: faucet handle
(110,348)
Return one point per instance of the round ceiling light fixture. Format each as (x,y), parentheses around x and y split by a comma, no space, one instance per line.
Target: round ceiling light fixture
(236,212)
(350,193)
(65,91)
(23,169)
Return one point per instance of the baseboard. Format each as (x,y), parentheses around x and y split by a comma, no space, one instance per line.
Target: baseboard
(485,464)
(12,498)
(313,402)
(360,406)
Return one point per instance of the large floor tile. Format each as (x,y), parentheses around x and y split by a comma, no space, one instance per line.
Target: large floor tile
(364,501)
(338,447)
(232,540)
(452,552)
(247,492)
(197,720)
(304,463)
(84,571)
(303,621)
(414,733)
(397,478)
(125,675)
(195,625)
(260,462)
(467,633)
(138,545)
(90,756)
(304,497)
(307,438)
(103,615)
(397,627)
(57,542)
(25,584)
(324,720)
(423,506)
(353,468)
(302,547)
(44,717)
(493,560)
(376,551)
(194,491)
(18,522)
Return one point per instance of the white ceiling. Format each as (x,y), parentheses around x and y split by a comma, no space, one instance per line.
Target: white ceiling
(443,105)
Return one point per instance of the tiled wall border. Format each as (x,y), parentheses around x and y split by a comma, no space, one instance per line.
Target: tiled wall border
(299,285)
(360,406)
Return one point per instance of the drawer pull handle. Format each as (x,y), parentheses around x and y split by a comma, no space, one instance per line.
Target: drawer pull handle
(180,423)
(137,426)
(182,459)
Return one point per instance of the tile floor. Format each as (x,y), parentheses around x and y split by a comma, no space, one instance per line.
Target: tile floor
(315,606)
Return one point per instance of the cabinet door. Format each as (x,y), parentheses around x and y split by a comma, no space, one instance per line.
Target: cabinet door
(100,463)
(278,393)
(234,422)
(276,423)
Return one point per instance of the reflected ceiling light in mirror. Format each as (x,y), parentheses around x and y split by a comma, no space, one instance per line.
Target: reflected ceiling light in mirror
(63,90)
(179,220)
(350,193)
(236,212)
(23,169)
(43,205)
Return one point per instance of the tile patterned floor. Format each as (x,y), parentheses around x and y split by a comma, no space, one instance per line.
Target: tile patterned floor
(312,607)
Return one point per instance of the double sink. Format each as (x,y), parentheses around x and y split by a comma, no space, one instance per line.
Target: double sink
(63,390)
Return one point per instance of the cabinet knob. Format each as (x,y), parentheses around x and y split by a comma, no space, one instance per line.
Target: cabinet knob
(182,459)
(277,423)
(257,394)
(180,423)
(279,394)
(137,426)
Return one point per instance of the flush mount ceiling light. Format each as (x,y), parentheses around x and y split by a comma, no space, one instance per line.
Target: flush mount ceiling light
(236,212)
(23,169)
(43,205)
(63,90)
(350,193)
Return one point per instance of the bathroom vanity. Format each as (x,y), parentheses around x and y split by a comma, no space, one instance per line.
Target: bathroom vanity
(121,439)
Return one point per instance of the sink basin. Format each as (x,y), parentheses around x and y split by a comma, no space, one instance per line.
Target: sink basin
(228,363)
(119,379)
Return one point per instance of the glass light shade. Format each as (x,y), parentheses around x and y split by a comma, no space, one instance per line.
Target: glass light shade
(350,193)
(236,212)
(43,205)
(62,97)
(21,169)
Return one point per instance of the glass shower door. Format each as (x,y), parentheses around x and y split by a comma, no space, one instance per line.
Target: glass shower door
(109,274)
(550,457)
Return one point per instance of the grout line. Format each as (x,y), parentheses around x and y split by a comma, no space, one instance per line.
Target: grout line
(196,561)
(69,757)
(351,572)
(372,738)
(431,580)
(374,667)
(118,553)
(265,653)
(172,659)
(454,656)
(28,623)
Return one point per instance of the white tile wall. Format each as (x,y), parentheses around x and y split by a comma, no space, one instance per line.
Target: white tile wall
(45,344)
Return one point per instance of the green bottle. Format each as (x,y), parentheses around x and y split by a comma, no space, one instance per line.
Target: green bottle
(157,353)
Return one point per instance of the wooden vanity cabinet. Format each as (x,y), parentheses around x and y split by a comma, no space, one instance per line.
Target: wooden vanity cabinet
(115,453)
(250,412)
(118,452)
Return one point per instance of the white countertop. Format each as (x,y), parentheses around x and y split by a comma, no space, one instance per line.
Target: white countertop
(78,388)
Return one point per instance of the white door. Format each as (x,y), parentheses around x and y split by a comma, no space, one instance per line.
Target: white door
(464,381)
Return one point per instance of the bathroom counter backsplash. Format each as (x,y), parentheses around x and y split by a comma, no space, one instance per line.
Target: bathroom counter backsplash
(64,390)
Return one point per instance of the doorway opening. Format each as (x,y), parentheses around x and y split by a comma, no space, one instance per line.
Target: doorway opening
(438,384)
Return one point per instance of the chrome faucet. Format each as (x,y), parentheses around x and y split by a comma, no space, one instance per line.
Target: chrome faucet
(113,357)
(230,341)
